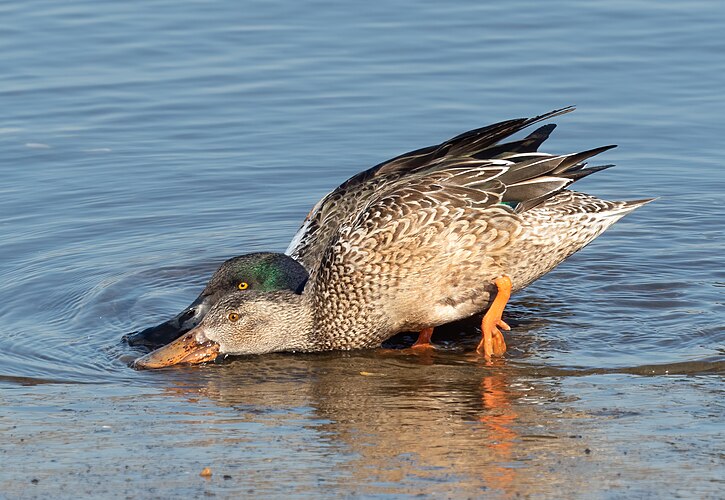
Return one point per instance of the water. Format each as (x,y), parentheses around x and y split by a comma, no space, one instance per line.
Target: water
(144,143)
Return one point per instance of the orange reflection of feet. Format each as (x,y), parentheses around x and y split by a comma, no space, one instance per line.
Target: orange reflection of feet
(498,418)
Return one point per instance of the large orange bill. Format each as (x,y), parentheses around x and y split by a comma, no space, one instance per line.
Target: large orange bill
(193,348)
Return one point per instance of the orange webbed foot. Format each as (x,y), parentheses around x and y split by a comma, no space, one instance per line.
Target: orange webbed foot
(492,341)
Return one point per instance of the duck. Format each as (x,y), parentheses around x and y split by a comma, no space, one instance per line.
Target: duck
(268,271)
(449,234)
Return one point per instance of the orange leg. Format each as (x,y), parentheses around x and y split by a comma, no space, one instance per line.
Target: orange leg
(493,342)
(423,341)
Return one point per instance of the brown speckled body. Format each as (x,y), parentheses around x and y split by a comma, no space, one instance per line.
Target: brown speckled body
(418,241)
(384,274)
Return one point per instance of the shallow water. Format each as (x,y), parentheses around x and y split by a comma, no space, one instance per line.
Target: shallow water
(142,144)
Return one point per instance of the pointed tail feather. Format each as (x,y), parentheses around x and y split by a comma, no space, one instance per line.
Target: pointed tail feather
(627,207)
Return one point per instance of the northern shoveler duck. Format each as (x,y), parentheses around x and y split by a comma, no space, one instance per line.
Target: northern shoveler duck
(429,237)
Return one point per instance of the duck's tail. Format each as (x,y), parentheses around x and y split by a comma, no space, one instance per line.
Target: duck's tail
(561,226)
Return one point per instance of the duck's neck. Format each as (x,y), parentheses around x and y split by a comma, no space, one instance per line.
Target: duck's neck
(303,323)
(291,326)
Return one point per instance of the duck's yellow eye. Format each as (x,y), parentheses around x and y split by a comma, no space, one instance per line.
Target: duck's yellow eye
(233,316)
(243,285)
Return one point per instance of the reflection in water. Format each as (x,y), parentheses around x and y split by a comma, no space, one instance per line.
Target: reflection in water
(367,423)
(391,422)
(402,420)
(499,417)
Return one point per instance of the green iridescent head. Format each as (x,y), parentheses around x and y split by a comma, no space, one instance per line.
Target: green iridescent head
(262,271)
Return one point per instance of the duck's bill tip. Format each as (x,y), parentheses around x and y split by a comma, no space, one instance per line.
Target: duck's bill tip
(184,350)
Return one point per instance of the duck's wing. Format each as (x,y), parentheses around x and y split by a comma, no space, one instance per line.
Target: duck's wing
(349,198)
(480,143)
